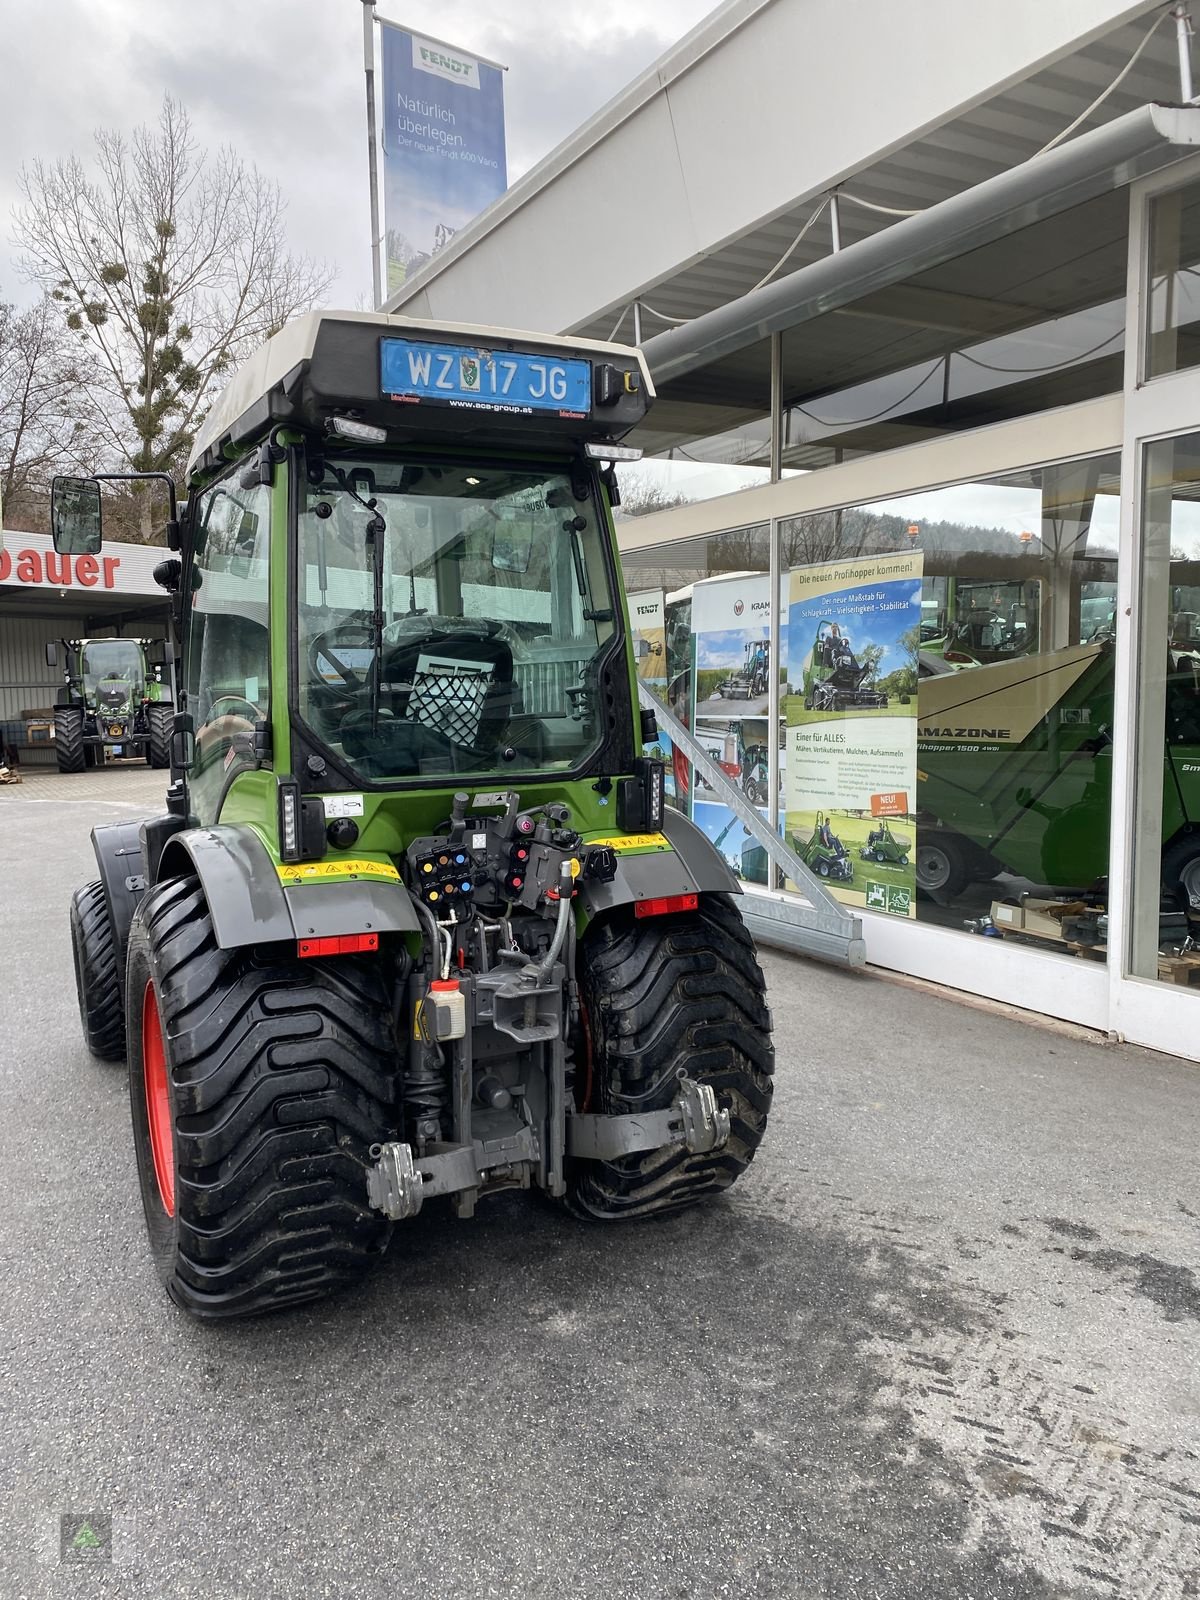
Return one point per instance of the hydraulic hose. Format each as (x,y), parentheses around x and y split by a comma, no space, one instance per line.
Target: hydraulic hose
(566,887)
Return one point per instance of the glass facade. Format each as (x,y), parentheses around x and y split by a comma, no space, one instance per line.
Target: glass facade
(1172,332)
(1166,878)
(971,704)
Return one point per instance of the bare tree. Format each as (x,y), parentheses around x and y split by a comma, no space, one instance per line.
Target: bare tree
(169,265)
(642,494)
(43,430)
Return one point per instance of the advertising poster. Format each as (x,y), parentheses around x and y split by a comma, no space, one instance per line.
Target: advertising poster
(647,615)
(853,631)
(443,145)
(731,680)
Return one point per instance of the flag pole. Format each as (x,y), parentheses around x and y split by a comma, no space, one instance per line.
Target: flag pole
(372,156)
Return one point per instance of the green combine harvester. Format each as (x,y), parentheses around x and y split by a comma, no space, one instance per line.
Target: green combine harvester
(112,698)
(415,926)
(1015,771)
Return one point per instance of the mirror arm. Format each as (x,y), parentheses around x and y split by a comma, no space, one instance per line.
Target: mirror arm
(143,477)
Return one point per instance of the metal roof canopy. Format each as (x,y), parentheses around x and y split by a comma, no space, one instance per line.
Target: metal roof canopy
(713,373)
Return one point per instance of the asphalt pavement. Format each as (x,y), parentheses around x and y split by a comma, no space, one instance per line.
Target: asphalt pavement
(942,1340)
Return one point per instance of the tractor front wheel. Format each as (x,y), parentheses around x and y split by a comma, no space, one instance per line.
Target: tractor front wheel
(258,1083)
(158,747)
(68,739)
(662,997)
(97,981)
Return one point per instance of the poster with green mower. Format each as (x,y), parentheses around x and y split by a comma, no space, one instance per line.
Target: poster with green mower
(853,632)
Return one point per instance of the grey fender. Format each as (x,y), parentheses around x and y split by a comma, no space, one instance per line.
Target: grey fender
(249,905)
(118,848)
(691,866)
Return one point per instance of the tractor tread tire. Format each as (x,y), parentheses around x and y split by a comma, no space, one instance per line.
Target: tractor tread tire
(68,739)
(98,983)
(660,995)
(282,1075)
(160,719)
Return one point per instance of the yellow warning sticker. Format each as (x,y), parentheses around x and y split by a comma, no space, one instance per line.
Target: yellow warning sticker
(634,841)
(336,871)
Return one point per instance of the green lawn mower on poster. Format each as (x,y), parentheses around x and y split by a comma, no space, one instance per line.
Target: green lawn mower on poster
(824,853)
(416,925)
(885,846)
(834,679)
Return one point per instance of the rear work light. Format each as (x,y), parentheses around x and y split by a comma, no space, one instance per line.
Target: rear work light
(665,904)
(345,944)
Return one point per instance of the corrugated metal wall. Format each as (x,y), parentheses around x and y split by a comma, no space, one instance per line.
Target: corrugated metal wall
(25,680)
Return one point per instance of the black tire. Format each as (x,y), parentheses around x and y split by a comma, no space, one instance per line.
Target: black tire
(158,749)
(823,869)
(663,995)
(278,1076)
(1181,873)
(68,738)
(98,984)
(943,869)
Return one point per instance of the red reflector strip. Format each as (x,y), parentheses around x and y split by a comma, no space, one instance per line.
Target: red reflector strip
(666,903)
(346,944)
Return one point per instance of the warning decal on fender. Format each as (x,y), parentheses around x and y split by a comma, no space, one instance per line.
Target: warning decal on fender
(336,871)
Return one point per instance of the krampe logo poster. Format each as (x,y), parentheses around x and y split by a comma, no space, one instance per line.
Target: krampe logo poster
(853,631)
(443,146)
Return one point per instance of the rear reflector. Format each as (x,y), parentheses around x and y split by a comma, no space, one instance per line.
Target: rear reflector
(665,904)
(346,944)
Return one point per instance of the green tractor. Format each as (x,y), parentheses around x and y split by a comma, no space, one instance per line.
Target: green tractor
(885,846)
(113,697)
(824,853)
(416,926)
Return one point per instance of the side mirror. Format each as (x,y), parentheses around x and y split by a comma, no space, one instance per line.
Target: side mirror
(51,653)
(183,743)
(75,520)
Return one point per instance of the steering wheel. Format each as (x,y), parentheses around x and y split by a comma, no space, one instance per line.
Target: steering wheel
(348,635)
(236,700)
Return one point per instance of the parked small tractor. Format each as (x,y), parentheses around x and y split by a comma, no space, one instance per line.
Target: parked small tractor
(112,698)
(415,927)
(834,679)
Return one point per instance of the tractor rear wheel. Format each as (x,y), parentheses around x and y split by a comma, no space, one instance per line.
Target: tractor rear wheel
(158,748)
(258,1083)
(663,996)
(97,981)
(68,738)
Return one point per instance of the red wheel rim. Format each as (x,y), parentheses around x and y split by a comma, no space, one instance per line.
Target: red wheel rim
(158,1102)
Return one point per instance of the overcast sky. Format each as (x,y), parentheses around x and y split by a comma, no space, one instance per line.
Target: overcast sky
(281,81)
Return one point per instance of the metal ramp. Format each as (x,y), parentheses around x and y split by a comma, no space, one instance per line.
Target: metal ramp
(811,922)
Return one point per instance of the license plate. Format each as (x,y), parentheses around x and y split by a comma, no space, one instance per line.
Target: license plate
(484,380)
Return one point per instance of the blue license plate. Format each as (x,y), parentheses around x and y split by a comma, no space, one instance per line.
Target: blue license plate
(484,380)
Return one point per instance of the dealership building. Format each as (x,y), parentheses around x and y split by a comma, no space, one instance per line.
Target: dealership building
(45,597)
(919,287)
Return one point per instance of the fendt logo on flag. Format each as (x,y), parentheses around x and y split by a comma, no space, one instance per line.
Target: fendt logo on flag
(459,69)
